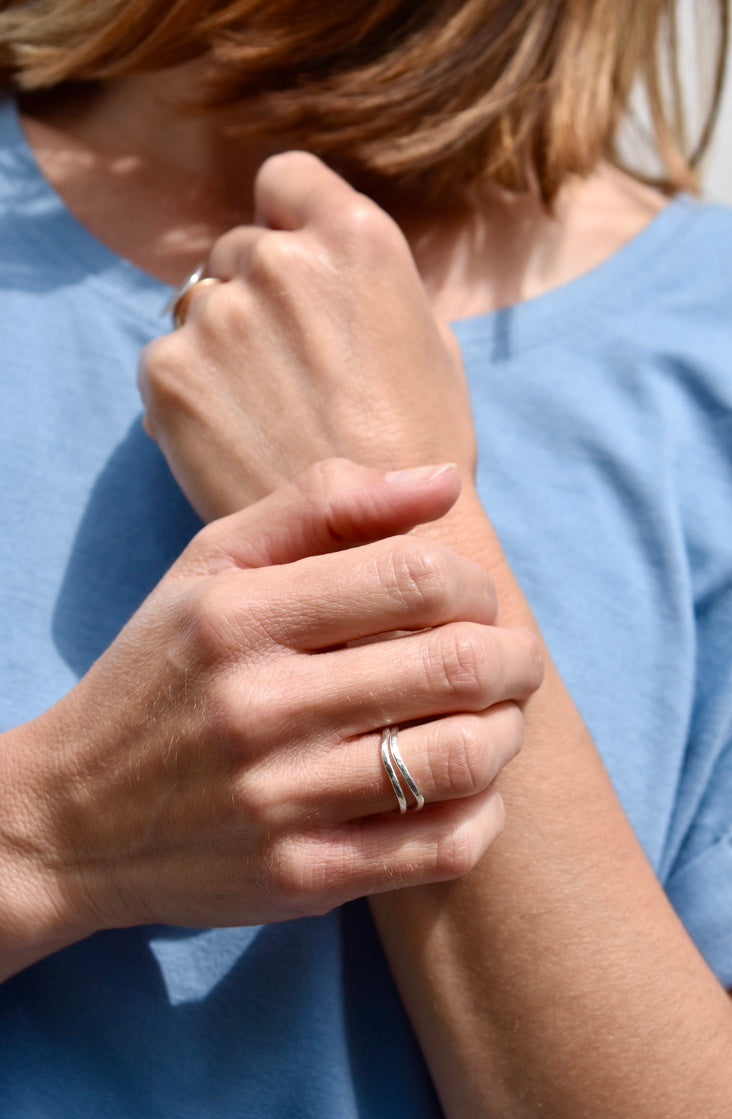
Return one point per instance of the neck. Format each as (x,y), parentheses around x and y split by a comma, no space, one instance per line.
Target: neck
(510,249)
(158,185)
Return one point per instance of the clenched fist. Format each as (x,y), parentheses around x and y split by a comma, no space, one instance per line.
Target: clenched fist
(319,341)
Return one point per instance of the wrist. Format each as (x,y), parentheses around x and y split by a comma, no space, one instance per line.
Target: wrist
(467,529)
(40,910)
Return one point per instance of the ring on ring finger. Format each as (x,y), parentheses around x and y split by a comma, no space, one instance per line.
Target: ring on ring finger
(449,758)
(395,767)
(179,302)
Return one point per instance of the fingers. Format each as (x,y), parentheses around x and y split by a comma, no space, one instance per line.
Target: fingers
(384,853)
(448,759)
(396,584)
(291,191)
(460,667)
(231,254)
(294,191)
(296,188)
(436,845)
(323,602)
(229,260)
(195,284)
(334,505)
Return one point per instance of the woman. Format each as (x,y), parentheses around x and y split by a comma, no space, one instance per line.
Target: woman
(533,984)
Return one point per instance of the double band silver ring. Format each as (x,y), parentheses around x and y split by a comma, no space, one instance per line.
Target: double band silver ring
(394,765)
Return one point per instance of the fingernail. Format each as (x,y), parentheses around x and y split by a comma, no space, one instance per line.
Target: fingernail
(422,475)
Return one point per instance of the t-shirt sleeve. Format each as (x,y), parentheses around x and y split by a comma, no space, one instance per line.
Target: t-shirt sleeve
(699,872)
(701,892)
(700,883)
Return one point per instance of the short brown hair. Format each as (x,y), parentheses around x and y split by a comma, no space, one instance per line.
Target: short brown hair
(431,97)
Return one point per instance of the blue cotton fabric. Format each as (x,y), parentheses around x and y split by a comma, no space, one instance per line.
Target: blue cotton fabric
(604,418)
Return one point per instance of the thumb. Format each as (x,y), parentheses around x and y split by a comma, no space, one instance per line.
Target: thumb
(334,505)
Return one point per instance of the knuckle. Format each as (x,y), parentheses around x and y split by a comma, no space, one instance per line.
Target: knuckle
(367,225)
(460,847)
(283,165)
(324,479)
(456,852)
(212,544)
(297,881)
(272,254)
(534,657)
(161,372)
(226,722)
(208,621)
(515,718)
(282,872)
(230,252)
(468,768)
(507,735)
(416,577)
(326,491)
(152,355)
(253,798)
(456,665)
(226,311)
(209,541)
(254,713)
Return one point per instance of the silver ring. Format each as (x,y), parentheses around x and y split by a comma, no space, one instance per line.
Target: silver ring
(393,761)
(177,305)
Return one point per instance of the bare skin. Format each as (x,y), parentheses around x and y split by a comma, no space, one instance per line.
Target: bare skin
(599,1029)
(172,185)
(569,885)
(148,793)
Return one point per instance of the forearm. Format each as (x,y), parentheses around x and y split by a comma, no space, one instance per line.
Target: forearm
(556,978)
(535,984)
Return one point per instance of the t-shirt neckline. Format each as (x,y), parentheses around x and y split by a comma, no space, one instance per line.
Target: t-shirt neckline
(617,280)
(616,283)
(63,237)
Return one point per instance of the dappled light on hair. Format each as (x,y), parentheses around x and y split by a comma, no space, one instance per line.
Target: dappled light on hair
(428,99)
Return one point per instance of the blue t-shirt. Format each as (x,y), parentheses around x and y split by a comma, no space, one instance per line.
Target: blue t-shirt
(603,411)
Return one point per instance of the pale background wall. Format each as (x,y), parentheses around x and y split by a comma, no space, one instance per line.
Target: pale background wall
(717,171)
(717,177)
(698,30)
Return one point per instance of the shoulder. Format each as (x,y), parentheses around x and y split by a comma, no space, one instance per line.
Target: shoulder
(703,243)
(686,306)
(651,248)
(690,274)
(667,295)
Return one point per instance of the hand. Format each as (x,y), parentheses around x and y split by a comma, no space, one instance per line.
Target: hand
(220,763)
(321,342)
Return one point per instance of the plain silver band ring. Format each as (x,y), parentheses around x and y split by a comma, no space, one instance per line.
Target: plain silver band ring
(393,762)
(177,306)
